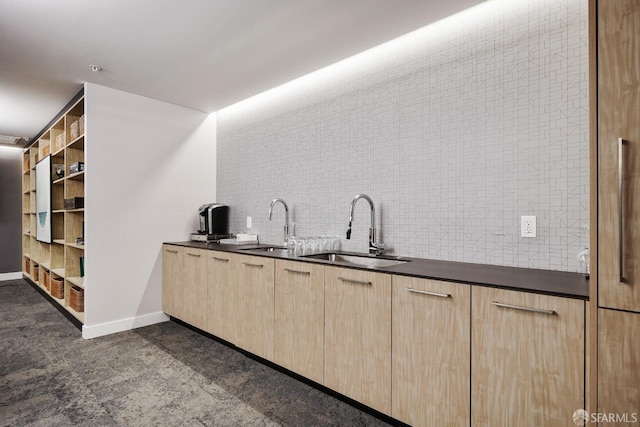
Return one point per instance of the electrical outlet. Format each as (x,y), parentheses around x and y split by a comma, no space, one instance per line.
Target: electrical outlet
(249,222)
(528,226)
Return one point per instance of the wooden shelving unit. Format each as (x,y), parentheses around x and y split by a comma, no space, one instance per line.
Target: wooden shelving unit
(64,141)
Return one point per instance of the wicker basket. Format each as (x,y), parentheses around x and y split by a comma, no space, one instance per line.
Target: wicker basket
(57,287)
(36,272)
(27,266)
(76,299)
(46,276)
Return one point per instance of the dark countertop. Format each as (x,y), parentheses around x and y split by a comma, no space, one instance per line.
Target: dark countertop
(559,283)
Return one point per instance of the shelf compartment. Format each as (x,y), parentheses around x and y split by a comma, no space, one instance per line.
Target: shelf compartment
(74,188)
(77,176)
(57,257)
(57,136)
(75,297)
(58,288)
(73,226)
(26,265)
(26,163)
(57,226)
(57,196)
(58,272)
(72,267)
(76,281)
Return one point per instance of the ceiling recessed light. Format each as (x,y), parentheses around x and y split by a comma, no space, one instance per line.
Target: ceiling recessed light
(95,68)
(6,139)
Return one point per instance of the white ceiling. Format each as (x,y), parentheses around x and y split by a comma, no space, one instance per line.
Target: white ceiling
(202,54)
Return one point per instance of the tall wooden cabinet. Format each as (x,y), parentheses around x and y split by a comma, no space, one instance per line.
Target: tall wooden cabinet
(57,267)
(618,153)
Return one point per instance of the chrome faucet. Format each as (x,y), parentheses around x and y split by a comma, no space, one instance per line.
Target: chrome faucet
(374,248)
(286,218)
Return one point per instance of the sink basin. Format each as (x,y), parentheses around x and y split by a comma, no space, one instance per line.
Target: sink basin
(360,260)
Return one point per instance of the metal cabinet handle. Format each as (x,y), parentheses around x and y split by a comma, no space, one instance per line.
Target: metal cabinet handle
(248,264)
(171,251)
(306,273)
(357,282)
(433,294)
(219,259)
(520,307)
(195,255)
(621,143)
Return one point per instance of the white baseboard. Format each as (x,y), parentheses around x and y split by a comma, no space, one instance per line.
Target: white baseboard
(107,328)
(11,276)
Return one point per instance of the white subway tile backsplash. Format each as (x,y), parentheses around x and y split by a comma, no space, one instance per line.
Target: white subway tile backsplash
(455,132)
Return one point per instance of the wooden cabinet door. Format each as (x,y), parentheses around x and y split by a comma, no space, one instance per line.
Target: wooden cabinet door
(299,318)
(358,336)
(619,118)
(431,352)
(527,358)
(221,295)
(254,278)
(619,364)
(194,287)
(172,258)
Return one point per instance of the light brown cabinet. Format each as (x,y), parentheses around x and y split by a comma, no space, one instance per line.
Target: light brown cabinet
(254,317)
(299,318)
(618,236)
(618,38)
(425,352)
(194,287)
(619,364)
(358,335)
(431,352)
(527,358)
(172,295)
(221,295)
(184,284)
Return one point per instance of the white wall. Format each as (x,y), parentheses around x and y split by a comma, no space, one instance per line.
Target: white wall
(149,166)
(455,131)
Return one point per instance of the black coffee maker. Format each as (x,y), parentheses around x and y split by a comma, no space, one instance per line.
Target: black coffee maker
(214,219)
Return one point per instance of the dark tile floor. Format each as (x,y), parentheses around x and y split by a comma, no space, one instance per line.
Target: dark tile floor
(161,375)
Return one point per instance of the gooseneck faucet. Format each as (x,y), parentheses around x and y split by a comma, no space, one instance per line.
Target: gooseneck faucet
(374,248)
(286,217)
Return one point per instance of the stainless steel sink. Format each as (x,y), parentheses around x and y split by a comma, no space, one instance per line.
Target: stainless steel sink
(360,260)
